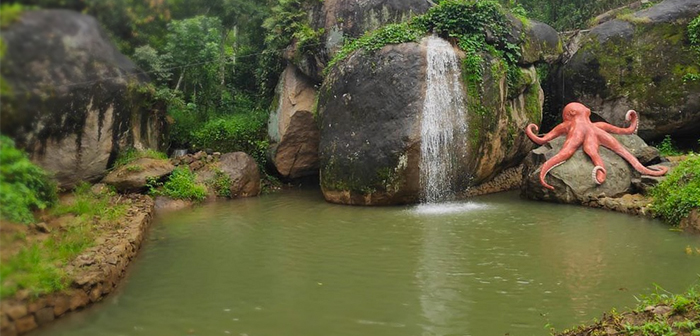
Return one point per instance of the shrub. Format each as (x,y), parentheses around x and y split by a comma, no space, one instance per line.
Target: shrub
(24,187)
(221,183)
(243,132)
(679,193)
(182,185)
(667,148)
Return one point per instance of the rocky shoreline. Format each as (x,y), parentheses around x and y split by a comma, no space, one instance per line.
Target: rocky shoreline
(95,273)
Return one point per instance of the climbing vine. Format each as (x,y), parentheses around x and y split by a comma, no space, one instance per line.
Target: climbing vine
(465,22)
(694,37)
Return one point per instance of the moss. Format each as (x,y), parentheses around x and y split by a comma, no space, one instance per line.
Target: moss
(625,65)
(10,13)
(533,110)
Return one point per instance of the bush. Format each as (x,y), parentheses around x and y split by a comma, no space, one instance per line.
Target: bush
(182,185)
(667,148)
(243,132)
(24,187)
(679,193)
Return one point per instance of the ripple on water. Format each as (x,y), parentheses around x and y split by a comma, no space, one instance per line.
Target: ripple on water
(447,208)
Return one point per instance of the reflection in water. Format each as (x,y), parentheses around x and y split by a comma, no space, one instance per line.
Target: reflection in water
(290,264)
(439,292)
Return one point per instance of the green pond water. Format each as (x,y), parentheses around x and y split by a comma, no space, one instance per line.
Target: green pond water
(292,264)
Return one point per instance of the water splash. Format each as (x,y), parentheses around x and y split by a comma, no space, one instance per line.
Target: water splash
(443,125)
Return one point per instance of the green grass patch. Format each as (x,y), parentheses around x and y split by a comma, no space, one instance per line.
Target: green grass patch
(679,193)
(132,154)
(182,185)
(37,267)
(24,187)
(87,205)
(10,13)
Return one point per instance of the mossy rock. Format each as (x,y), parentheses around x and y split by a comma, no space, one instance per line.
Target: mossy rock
(74,100)
(639,62)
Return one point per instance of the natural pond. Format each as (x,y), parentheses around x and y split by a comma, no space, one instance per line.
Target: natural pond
(292,264)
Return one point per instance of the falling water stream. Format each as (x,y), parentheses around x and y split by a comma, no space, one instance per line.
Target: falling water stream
(443,123)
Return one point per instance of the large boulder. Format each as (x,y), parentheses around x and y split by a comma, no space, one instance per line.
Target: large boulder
(136,175)
(241,168)
(292,130)
(339,20)
(75,101)
(370,110)
(573,181)
(637,61)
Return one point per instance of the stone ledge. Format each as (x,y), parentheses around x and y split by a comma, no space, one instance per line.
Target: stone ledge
(95,273)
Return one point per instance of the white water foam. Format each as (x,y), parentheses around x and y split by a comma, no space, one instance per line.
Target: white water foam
(447,208)
(443,123)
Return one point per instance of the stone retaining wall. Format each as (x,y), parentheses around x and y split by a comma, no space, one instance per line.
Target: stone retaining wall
(96,273)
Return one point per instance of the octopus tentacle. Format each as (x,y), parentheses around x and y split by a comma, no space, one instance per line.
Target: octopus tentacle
(590,146)
(631,116)
(531,130)
(567,150)
(611,143)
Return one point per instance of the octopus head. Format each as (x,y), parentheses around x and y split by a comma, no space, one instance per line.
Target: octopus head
(575,110)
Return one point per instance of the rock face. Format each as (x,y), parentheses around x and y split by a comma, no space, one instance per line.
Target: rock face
(241,168)
(292,130)
(73,104)
(370,108)
(573,181)
(637,61)
(135,175)
(339,20)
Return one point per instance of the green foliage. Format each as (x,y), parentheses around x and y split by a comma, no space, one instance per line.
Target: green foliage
(694,38)
(679,193)
(37,266)
(462,20)
(24,187)
(87,205)
(31,270)
(667,148)
(375,40)
(243,132)
(132,154)
(221,183)
(10,13)
(288,20)
(182,185)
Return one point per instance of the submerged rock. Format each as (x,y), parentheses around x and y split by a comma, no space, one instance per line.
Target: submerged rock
(74,100)
(573,181)
(637,61)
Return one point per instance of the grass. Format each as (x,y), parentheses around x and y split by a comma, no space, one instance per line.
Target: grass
(679,193)
(182,185)
(682,319)
(10,13)
(37,267)
(132,154)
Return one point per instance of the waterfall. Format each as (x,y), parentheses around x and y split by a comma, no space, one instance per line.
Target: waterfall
(443,124)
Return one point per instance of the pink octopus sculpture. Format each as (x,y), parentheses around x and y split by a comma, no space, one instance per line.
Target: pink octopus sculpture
(579,131)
